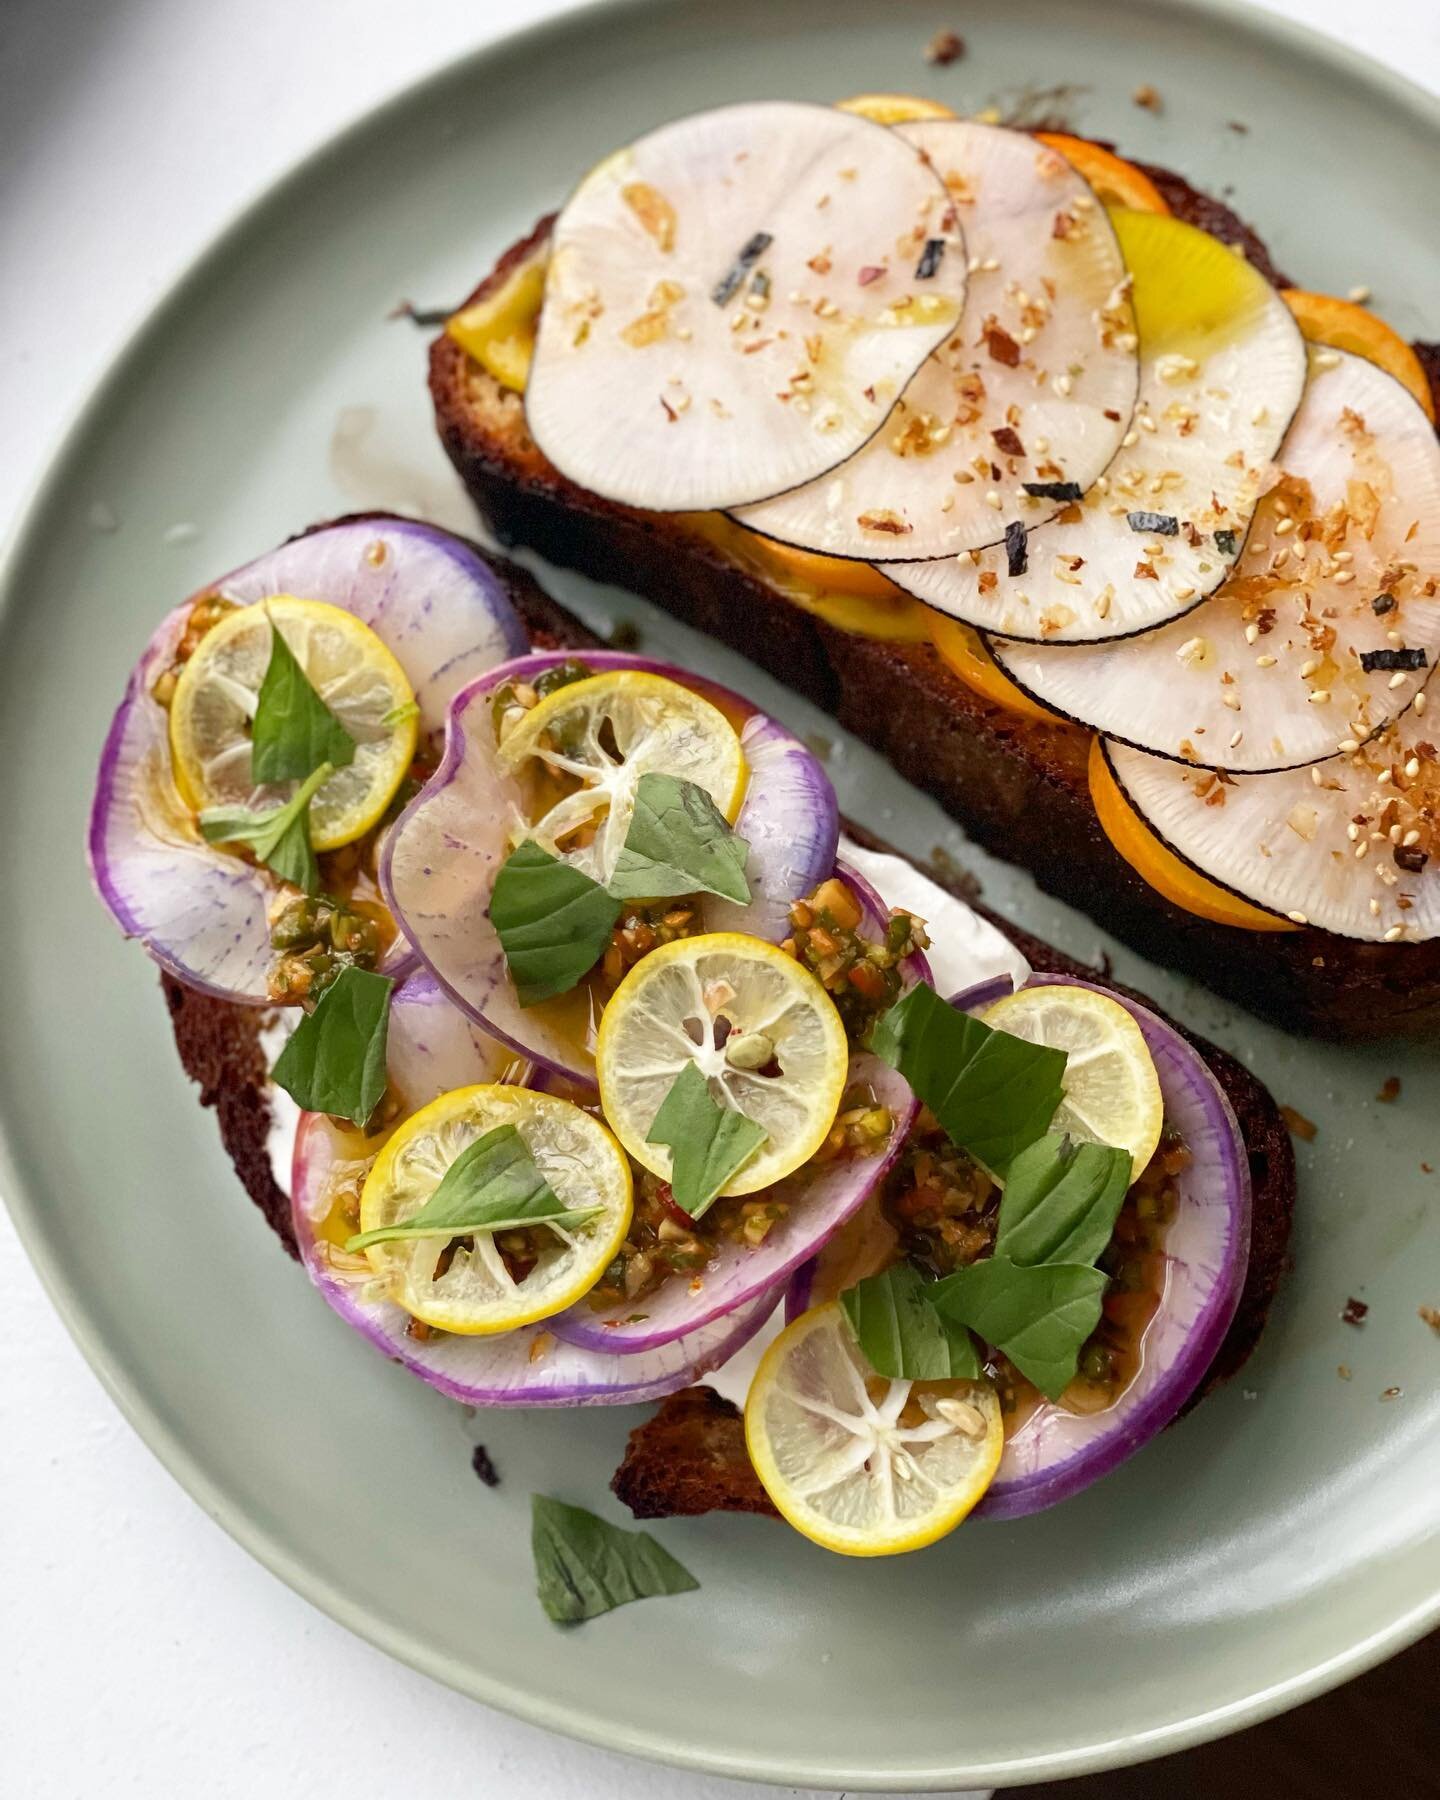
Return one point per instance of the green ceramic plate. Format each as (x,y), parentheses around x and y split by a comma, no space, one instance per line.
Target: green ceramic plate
(1278,1541)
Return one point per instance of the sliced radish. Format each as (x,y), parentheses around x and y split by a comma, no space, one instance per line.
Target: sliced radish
(1270,673)
(202,912)
(432,1049)
(734,302)
(1349,845)
(819,1197)
(1056,1453)
(1036,385)
(441,859)
(1222,366)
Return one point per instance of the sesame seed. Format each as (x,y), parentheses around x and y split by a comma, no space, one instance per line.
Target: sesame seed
(1360,293)
(1420,702)
(992,498)
(1319,696)
(1410,838)
(1316,776)
(1394,932)
(1308,668)
(1326,359)
(1343,577)
(1362,849)
(1412,768)
(1347,746)
(1282,526)
(1383,778)
(1398,679)
(1130,439)
(1230,700)
(1235,739)
(1297,918)
(1252,632)
(1264,662)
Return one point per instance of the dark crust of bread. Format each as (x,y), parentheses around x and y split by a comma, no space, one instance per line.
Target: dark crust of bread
(689,1457)
(1018,787)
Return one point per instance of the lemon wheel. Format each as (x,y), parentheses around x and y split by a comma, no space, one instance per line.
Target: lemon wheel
(859,1463)
(353,673)
(694,1001)
(599,736)
(1112,1093)
(470,1288)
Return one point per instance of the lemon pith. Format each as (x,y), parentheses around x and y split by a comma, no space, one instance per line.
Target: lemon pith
(643,1044)
(656,725)
(354,673)
(858,1464)
(1112,1093)
(474,1295)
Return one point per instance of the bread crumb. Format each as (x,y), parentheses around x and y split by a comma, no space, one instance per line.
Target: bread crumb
(1390,1090)
(480,1462)
(945,48)
(1343,1371)
(1431,1316)
(1353,1312)
(1149,97)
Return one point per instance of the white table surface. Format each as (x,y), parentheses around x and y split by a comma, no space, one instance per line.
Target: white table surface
(141,1651)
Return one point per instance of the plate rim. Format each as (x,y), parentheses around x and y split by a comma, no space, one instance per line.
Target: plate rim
(1279,35)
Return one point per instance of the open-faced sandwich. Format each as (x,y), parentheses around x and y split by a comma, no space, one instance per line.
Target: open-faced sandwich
(1025,461)
(612,1050)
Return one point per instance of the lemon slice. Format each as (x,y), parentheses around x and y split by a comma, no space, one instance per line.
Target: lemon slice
(675,1006)
(1112,1093)
(860,1463)
(606,732)
(471,1290)
(353,673)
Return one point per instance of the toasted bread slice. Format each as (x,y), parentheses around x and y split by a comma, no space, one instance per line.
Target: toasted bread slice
(690,1457)
(1018,786)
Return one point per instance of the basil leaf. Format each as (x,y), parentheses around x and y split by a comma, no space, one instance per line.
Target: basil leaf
(992,1093)
(279,836)
(1061,1201)
(900,1333)
(679,842)
(492,1185)
(1040,1317)
(708,1143)
(293,730)
(334,1060)
(553,922)
(585,1566)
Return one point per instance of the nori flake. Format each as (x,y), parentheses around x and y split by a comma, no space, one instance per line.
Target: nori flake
(1371,660)
(1054,490)
(725,290)
(1017,548)
(1165,524)
(1226,542)
(929,258)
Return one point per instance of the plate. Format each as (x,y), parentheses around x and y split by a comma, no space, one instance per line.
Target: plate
(1281,1539)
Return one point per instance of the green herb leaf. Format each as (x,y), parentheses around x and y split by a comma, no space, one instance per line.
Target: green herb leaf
(900,1333)
(1061,1201)
(293,730)
(585,1566)
(279,836)
(679,842)
(553,922)
(708,1143)
(992,1093)
(334,1060)
(1040,1317)
(492,1185)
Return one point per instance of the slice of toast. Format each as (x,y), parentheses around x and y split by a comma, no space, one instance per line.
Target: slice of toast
(690,1457)
(1018,787)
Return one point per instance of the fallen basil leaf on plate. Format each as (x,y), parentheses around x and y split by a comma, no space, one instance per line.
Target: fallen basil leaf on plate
(585,1567)
(708,1143)
(1039,1317)
(552,920)
(1061,1201)
(901,1335)
(679,842)
(334,1060)
(992,1093)
(492,1185)
(293,730)
(278,837)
